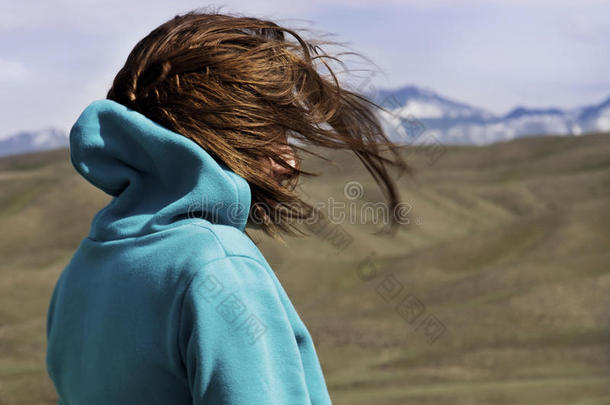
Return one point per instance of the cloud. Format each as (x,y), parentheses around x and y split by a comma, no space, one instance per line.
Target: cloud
(493,54)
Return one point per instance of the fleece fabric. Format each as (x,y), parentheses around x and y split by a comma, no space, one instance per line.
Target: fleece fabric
(166,300)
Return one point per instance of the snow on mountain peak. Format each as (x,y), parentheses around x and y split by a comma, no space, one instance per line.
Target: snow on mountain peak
(30,141)
(456,122)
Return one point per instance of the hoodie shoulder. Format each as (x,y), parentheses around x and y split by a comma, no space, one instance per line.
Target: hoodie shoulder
(195,243)
(240,338)
(231,240)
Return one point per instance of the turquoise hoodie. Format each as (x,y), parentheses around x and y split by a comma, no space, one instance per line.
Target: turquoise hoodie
(167,301)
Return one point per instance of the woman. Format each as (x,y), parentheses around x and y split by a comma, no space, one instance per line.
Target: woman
(167,300)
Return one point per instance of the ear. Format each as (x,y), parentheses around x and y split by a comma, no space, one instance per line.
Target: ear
(288,154)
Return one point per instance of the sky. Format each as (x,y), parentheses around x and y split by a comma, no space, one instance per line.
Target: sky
(58,56)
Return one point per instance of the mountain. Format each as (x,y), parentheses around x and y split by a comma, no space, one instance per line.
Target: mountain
(421,115)
(595,117)
(30,141)
(424,103)
(417,115)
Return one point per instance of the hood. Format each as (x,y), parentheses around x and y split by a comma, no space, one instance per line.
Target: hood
(156,176)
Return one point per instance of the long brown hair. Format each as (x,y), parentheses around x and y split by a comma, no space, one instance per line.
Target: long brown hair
(239,88)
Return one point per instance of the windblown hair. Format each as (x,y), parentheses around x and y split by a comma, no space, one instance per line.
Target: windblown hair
(239,88)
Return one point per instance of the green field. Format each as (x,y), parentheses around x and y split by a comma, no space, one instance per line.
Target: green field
(506,251)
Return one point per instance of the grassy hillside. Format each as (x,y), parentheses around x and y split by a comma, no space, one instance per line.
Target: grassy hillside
(497,291)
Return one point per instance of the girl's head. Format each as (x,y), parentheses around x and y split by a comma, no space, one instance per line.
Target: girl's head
(249,92)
